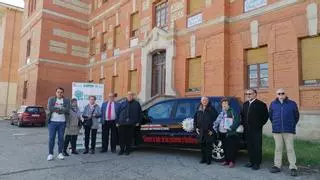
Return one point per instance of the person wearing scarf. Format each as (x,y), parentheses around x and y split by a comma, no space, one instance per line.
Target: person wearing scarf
(228,135)
(203,124)
(73,126)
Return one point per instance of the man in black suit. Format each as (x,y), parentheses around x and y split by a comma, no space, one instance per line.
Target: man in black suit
(254,116)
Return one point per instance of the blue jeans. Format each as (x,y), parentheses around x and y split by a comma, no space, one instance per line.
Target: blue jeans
(54,128)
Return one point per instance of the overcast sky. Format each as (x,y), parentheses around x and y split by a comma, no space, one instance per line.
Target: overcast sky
(19,3)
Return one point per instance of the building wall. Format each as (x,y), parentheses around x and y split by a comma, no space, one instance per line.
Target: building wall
(221,40)
(9,62)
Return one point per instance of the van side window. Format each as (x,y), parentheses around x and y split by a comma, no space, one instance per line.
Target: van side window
(185,110)
(161,111)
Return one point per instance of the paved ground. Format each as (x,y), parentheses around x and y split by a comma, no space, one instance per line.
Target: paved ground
(23,154)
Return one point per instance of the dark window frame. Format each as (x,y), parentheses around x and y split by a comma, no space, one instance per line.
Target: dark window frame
(258,76)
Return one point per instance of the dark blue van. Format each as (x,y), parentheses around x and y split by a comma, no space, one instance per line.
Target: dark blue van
(162,124)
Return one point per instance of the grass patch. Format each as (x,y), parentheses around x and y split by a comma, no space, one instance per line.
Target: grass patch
(308,153)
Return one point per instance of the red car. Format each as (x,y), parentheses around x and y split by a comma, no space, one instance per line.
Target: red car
(29,115)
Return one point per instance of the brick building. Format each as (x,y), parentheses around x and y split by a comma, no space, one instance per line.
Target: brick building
(10,25)
(174,47)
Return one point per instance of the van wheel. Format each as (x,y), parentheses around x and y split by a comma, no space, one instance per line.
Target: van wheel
(217,151)
(12,122)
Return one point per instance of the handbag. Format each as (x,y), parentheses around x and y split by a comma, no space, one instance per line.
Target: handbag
(87,122)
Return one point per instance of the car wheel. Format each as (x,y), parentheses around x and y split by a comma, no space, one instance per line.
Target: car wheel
(12,122)
(217,151)
(20,124)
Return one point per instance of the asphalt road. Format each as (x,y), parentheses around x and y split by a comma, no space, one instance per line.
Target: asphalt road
(23,153)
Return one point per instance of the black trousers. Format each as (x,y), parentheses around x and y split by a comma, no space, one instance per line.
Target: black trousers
(87,131)
(254,139)
(206,151)
(106,128)
(126,137)
(230,146)
(72,139)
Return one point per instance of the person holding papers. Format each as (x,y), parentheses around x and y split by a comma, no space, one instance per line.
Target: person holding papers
(226,125)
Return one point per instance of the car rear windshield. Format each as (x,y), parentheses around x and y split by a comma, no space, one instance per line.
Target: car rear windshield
(34,109)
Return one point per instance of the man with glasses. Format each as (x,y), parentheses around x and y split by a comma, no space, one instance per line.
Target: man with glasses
(254,116)
(59,108)
(109,112)
(284,115)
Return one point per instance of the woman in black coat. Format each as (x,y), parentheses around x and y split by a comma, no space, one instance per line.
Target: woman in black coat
(203,124)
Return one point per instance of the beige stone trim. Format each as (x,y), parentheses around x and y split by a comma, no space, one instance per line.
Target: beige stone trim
(80,48)
(58,47)
(80,54)
(75,5)
(57,44)
(64,16)
(70,35)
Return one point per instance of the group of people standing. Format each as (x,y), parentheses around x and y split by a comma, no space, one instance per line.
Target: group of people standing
(120,120)
(66,120)
(283,114)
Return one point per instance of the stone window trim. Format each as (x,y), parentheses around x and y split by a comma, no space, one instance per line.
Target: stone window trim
(101,80)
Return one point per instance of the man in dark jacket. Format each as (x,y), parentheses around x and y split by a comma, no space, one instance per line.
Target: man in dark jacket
(284,116)
(203,123)
(254,116)
(129,117)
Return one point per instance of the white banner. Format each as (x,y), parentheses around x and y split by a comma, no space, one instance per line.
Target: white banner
(82,91)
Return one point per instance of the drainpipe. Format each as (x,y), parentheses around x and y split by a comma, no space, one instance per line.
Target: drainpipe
(10,64)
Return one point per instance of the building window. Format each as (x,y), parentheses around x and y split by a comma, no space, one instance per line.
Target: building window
(195,5)
(133,81)
(116,88)
(194,75)
(102,80)
(117,36)
(104,40)
(92,46)
(32,6)
(25,90)
(161,18)
(28,49)
(310,56)
(104,1)
(134,24)
(257,61)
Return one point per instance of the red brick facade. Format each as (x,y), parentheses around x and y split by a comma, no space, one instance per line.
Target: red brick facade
(221,40)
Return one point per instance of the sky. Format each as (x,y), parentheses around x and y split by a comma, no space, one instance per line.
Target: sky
(19,3)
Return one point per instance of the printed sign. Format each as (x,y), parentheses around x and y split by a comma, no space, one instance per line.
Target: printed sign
(253,4)
(82,91)
(194,20)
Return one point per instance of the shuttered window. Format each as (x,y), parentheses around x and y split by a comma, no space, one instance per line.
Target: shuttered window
(194,72)
(117,35)
(133,81)
(258,70)
(134,24)
(116,86)
(310,54)
(92,46)
(195,5)
(103,42)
